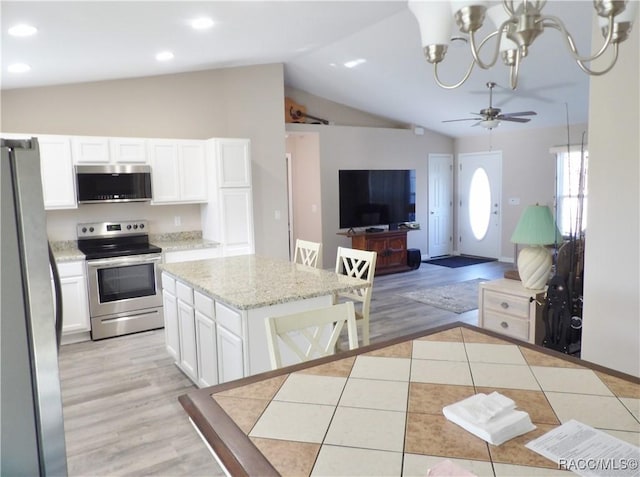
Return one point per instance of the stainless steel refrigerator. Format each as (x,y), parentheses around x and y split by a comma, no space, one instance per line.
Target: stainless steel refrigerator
(31,423)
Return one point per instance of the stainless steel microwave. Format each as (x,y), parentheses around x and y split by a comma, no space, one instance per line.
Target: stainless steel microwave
(113,183)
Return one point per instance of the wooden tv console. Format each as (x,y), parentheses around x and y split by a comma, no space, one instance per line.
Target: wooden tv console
(391,246)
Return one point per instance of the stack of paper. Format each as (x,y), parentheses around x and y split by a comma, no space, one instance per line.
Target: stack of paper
(492,417)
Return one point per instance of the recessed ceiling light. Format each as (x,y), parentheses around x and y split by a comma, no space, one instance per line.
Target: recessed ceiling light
(22,30)
(164,56)
(18,68)
(354,63)
(201,23)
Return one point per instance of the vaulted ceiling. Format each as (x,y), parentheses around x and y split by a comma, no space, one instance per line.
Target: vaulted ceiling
(90,41)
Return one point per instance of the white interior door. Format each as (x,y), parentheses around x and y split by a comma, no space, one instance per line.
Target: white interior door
(440,204)
(480,190)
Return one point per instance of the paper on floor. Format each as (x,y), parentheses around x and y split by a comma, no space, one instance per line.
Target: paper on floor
(446,468)
(492,418)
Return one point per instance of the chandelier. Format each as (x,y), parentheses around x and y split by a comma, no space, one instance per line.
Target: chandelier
(517,25)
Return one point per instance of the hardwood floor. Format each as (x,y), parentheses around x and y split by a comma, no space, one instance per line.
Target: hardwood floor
(122,416)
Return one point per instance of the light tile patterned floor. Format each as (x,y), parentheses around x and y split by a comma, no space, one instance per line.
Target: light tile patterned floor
(359,416)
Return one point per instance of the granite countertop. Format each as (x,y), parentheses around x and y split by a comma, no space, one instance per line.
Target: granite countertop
(174,242)
(66,251)
(249,281)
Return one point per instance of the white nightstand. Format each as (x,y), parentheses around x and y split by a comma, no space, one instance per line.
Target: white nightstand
(506,307)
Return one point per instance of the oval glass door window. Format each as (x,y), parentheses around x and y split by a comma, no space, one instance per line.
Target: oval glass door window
(479,203)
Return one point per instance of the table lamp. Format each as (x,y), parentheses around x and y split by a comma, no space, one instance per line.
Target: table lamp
(536,229)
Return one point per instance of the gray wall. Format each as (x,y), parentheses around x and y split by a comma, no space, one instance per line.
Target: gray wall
(234,102)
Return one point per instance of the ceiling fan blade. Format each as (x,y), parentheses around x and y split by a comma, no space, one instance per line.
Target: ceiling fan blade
(477,124)
(523,113)
(466,119)
(515,120)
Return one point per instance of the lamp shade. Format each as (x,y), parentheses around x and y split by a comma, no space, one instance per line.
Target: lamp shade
(435,21)
(536,227)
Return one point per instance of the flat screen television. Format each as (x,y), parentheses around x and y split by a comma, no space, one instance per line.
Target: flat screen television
(370,197)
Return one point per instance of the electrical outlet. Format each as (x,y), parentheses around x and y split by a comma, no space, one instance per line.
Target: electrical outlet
(177,220)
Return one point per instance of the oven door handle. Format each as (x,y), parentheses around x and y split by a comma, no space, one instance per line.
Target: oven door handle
(117,262)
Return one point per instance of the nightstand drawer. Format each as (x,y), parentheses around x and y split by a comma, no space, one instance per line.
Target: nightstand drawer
(508,304)
(507,325)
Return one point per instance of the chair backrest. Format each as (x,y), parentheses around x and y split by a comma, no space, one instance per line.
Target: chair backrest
(310,333)
(359,264)
(308,253)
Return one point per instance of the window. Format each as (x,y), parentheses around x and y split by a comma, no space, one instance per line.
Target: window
(571,190)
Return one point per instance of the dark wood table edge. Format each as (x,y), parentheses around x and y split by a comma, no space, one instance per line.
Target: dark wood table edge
(239,454)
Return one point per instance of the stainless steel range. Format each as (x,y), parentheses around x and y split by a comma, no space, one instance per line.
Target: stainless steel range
(122,276)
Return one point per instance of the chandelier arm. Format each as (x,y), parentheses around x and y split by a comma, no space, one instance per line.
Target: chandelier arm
(557,24)
(508,5)
(514,70)
(599,73)
(475,52)
(446,86)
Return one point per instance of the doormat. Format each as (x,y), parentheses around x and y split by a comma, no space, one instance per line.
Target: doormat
(457,261)
(456,297)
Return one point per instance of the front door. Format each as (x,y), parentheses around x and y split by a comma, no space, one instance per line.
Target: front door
(440,204)
(480,190)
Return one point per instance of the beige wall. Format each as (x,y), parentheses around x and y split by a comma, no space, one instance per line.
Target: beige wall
(234,102)
(338,114)
(344,147)
(305,171)
(611,326)
(528,169)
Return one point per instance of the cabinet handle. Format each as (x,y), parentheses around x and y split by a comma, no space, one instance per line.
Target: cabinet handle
(504,305)
(504,324)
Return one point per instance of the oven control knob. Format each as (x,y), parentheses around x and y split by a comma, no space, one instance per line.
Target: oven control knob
(141,226)
(135,226)
(91,229)
(129,227)
(84,230)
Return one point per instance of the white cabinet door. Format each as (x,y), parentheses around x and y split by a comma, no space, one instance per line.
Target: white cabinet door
(178,171)
(58,175)
(75,305)
(193,171)
(236,221)
(171,331)
(230,355)
(128,150)
(207,350)
(163,157)
(90,150)
(186,324)
(234,162)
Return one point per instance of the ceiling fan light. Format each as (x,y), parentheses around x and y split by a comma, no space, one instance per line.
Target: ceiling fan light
(434,19)
(490,123)
(469,14)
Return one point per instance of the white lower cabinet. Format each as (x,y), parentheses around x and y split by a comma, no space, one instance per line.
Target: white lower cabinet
(75,306)
(171,333)
(207,349)
(230,355)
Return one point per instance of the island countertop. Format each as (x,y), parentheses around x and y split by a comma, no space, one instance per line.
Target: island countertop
(251,281)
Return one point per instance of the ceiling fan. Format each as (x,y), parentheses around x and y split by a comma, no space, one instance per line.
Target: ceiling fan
(490,117)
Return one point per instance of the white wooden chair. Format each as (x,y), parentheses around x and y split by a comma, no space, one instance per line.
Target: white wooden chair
(358,264)
(308,253)
(310,328)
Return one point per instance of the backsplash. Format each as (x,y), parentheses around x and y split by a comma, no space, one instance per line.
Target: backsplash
(61,224)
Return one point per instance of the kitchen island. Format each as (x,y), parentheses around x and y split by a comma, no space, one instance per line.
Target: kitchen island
(377,410)
(214,311)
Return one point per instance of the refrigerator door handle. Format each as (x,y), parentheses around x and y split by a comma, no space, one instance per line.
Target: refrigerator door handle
(57,290)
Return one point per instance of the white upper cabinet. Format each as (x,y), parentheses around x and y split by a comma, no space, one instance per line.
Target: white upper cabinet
(90,150)
(128,150)
(234,162)
(58,175)
(106,150)
(178,171)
